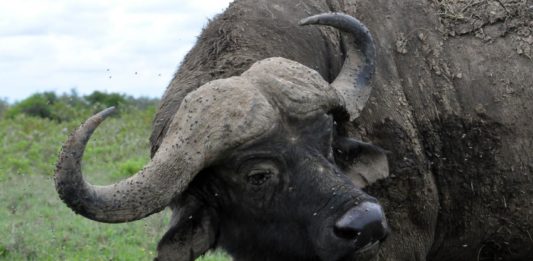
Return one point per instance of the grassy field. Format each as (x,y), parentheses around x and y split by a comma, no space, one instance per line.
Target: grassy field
(36,225)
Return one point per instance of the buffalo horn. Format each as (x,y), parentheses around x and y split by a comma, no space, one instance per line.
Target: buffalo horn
(352,83)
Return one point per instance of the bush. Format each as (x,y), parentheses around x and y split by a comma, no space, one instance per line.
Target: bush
(106,99)
(67,107)
(37,105)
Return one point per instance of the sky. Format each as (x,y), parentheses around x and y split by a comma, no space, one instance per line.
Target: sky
(126,46)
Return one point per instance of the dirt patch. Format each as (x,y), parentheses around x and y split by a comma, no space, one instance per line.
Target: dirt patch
(489,20)
(480,201)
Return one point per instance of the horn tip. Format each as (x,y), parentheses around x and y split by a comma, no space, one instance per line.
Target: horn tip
(323,17)
(105,113)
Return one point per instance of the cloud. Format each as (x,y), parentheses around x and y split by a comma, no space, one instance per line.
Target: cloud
(59,45)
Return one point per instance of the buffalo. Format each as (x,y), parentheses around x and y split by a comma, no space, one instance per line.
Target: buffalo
(258,149)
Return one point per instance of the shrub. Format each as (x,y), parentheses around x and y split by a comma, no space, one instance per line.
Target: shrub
(37,105)
(106,99)
(67,107)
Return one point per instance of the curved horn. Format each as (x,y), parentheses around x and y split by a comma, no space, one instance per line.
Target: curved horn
(124,201)
(352,83)
(210,121)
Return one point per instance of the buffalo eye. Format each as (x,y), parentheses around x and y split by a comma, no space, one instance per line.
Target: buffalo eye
(257,177)
(258,172)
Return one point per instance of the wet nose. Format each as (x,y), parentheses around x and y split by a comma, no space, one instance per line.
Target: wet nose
(364,224)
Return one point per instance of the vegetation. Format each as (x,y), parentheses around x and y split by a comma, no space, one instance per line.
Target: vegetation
(34,223)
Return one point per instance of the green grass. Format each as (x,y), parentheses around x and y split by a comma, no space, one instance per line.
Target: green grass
(36,225)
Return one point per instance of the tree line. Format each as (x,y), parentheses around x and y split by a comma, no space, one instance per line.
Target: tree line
(70,106)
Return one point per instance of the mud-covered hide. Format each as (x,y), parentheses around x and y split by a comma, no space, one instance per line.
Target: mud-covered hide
(452,103)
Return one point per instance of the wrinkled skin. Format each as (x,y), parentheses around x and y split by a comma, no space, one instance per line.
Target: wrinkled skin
(278,198)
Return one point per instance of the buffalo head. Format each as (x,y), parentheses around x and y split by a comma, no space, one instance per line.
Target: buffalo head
(255,164)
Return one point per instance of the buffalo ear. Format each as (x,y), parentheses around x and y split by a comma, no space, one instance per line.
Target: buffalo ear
(193,231)
(364,163)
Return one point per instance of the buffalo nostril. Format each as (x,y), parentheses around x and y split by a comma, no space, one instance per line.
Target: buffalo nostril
(364,224)
(348,233)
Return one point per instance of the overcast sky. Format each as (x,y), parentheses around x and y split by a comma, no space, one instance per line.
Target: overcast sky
(127,46)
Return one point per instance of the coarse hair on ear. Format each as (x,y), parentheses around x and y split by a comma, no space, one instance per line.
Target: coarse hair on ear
(362,162)
(193,231)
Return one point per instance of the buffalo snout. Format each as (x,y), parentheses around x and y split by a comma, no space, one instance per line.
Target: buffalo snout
(363,225)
